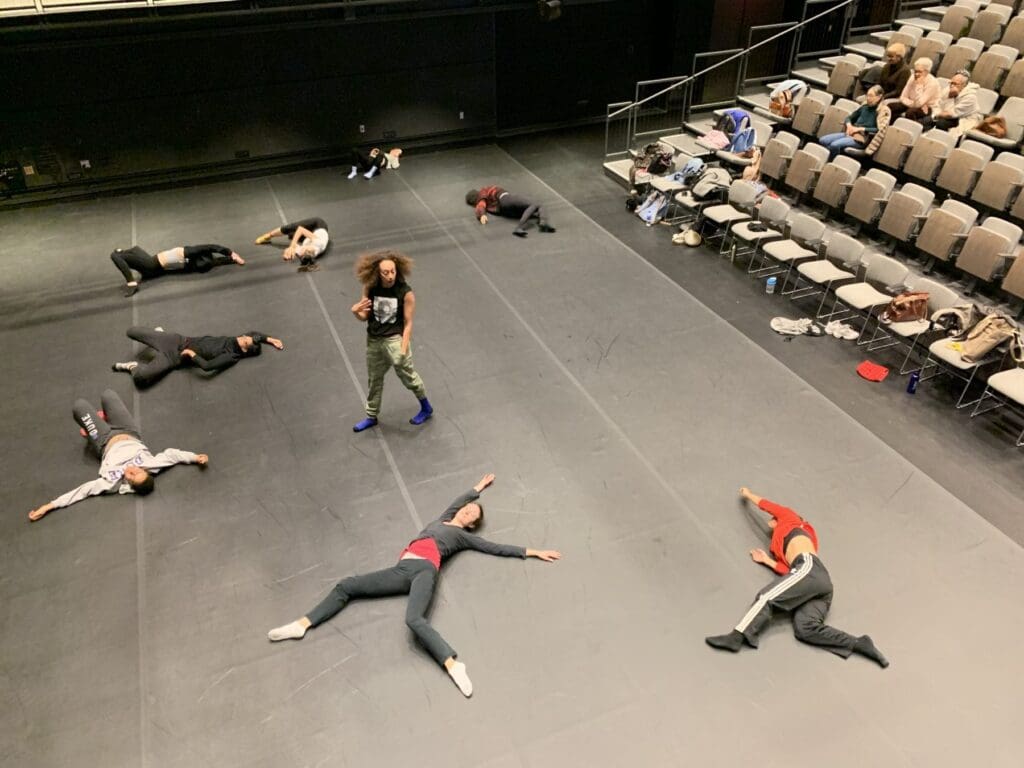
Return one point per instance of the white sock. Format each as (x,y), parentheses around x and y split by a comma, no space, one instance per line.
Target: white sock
(293,631)
(354,172)
(370,173)
(457,672)
(158,328)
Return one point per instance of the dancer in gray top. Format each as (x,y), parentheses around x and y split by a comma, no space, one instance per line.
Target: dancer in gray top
(126,464)
(415,574)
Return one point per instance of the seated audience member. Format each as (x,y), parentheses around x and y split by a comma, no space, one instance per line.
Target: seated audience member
(892,75)
(859,127)
(919,95)
(957,111)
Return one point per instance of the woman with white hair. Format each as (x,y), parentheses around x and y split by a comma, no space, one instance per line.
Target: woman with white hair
(920,94)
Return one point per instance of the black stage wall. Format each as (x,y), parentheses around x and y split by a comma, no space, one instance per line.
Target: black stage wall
(171,96)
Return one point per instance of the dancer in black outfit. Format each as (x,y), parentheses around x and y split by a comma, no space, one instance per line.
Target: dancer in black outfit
(184,258)
(168,351)
(416,574)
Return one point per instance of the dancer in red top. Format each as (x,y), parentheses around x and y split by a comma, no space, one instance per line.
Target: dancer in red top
(501,202)
(803,587)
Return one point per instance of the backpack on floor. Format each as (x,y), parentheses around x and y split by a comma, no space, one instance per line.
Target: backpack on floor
(653,209)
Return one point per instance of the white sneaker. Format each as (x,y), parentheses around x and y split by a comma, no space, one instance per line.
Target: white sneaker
(461,678)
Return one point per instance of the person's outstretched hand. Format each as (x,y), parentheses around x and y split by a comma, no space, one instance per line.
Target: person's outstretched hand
(275,343)
(202,459)
(485,481)
(483,219)
(760,556)
(547,555)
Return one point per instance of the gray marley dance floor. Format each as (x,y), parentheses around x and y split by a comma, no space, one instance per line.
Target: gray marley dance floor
(620,415)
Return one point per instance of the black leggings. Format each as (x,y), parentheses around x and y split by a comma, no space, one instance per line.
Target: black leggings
(311,224)
(414,577)
(163,355)
(512,206)
(137,259)
(363,162)
(806,591)
(98,432)
(198,258)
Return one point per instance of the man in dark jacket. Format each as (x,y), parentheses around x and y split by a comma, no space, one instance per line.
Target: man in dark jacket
(167,351)
(503,203)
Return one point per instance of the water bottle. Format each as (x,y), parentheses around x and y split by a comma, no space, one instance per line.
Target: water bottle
(769,287)
(915,377)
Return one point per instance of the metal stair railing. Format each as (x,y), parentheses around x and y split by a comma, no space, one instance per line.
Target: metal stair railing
(664,105)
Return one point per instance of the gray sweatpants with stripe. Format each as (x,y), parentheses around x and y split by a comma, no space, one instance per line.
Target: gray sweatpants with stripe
(806,591)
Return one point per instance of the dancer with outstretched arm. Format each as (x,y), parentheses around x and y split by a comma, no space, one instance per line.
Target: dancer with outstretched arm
(416,575)
(126,464)
(802,586)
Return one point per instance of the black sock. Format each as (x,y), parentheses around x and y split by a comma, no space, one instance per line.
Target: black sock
(866,647)
(731,642)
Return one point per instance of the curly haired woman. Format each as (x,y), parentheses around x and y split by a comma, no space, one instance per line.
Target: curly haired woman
(387,307)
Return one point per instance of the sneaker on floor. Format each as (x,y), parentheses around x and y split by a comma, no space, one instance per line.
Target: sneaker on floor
(519,232)
(130,290)
(125,367)
(844,331)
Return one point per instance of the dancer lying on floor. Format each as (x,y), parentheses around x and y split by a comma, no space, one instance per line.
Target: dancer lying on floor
(309,241)
(167,351)
(803,586)
(126,464)
(416,575)
(373,162)
(503,203)
(184,258)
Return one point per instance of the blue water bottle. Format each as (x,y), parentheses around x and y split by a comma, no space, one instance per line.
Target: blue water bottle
(769,287)
(915,377)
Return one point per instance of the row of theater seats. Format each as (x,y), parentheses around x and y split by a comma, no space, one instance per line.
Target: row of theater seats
(975,235)
(815,261)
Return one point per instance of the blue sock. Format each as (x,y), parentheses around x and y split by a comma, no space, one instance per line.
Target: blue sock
(425,412)
(366,423)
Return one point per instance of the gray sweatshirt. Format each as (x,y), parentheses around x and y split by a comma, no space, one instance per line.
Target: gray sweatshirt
(451,539)
(115,459)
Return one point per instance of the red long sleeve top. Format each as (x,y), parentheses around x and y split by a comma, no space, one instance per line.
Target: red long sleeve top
(488,200)
(786,521)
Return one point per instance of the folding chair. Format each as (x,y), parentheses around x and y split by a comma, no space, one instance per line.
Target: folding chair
(902,332)
(864,297)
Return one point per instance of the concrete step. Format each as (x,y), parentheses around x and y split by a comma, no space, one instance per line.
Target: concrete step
(812,75)
(924,22)
(686,144)
(867,50)
(619,170)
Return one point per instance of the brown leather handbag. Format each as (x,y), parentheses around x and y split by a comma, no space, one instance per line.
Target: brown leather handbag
(993,125)
(907,307)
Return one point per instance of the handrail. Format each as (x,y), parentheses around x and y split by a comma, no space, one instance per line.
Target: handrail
(744,52)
